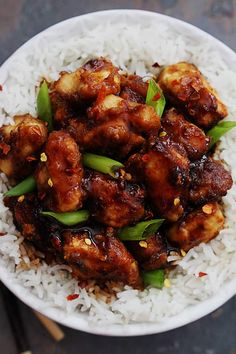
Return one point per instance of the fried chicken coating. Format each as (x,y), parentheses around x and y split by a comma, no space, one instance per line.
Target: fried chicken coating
(209,181)
(88,81)
(27,218)
(98,254)
(60,175)
(164,169)
(153,255)
(192,138)
(133,88)
(114,203)
(20,145)
(114,127)
(200,225)
(185,86)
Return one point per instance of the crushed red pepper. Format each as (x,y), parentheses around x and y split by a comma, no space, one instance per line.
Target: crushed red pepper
(72,297)
(201,274)
(156,97)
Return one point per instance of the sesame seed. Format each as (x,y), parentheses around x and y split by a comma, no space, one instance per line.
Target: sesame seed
(176,201)
(183,253)
(43,157)
(207,209)
(21,198)
(143,244)
(128,176)
(167,283)
(122,172)
(50,182)
(162,134)
(88,241)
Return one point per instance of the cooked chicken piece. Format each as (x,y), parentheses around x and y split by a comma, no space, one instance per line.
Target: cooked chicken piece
(26,213)
(133,88)
(114,203)
(62,109)
(96,76)
(114,127)
(209,181)
(185,86)
(141,117)
(60,173)
(165,171)
(193,139)
(112,138)
(200,225)
(99,255)
(20,145)
(151,254)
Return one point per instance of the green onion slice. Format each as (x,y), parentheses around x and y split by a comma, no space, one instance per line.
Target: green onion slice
(155,97)
(140,231)
(44,107)
(155,278)
(101,163)
(219,130)
(69,218)
(26,186)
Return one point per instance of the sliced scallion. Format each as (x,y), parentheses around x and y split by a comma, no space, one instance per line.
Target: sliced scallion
(154,278)
(140,231)
(101,164)
(219,130)
(44,107)
(68,218)
(155,97)
(26,186)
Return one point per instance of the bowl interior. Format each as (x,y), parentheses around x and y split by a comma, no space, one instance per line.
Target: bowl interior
(80,321)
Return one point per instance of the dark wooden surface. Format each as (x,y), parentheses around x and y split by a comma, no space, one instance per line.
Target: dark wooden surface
(214,334)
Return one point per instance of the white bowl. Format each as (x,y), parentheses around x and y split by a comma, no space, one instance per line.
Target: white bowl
(80,321)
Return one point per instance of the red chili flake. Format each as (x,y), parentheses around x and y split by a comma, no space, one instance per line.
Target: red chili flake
(70,170)
(156,97)
(201,274)
(145,158)
(5,148)
(72,297)
(31,158)
(156,65)
(3,233)
(41,195)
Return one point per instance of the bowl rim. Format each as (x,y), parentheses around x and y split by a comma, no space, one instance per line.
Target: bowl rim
(78,321)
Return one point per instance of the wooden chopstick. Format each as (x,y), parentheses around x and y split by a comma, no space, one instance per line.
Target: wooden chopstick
(15,319)
(51,326)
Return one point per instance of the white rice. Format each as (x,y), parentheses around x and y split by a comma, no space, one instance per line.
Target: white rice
(134,48)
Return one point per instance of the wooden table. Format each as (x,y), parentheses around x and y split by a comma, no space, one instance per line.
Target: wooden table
(214,334)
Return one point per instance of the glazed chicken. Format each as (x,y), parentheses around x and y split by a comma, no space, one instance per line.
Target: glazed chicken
(186,88)
(164,170)
(133,88)
(209,181)
(27,217)
(200,225)
(20,144)
(151,254)
(99,255)
(87,82)
(59,174)
(193,139)
(113,203)
(114,126)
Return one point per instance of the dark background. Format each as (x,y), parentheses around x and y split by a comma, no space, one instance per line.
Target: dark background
(214,334)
